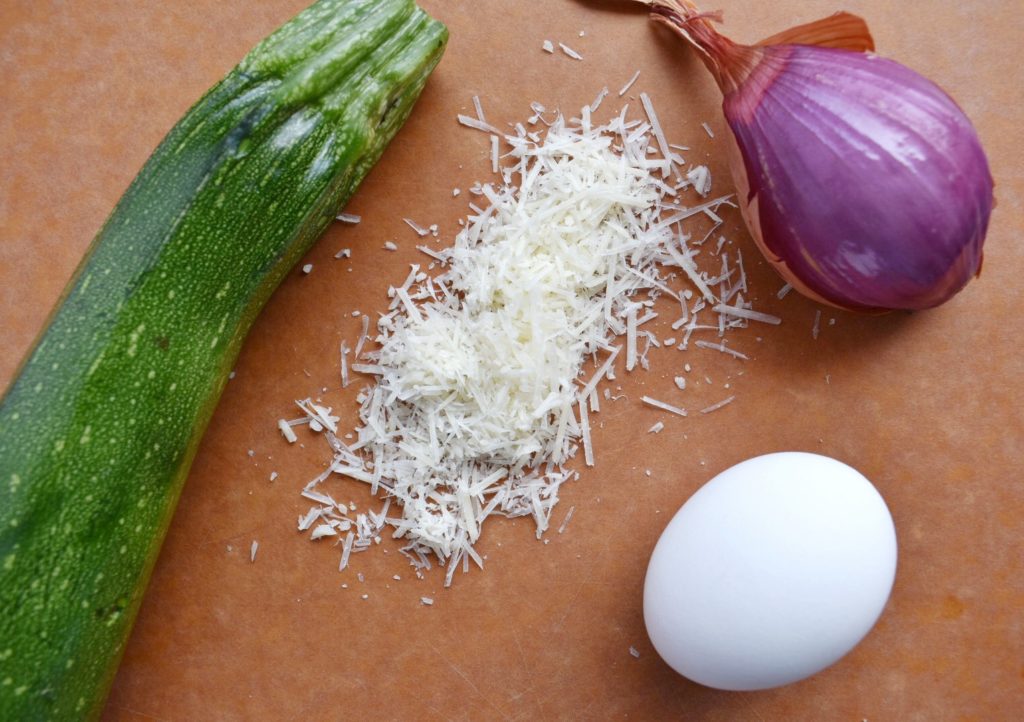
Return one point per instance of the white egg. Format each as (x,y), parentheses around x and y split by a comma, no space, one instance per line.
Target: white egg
(771,572)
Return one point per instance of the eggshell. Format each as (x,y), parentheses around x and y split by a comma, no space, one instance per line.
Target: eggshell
(771,572)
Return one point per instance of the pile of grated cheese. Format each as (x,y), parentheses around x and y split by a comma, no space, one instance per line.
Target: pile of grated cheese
(486,375)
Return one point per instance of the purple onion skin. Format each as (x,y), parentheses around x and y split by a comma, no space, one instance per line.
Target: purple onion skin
(869,184)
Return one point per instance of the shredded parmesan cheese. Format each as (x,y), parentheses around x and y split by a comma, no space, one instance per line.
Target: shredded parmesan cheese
(484,378)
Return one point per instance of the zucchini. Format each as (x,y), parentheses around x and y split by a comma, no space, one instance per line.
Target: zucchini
(100,425)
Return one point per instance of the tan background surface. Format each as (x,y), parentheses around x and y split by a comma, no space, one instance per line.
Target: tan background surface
(928,406)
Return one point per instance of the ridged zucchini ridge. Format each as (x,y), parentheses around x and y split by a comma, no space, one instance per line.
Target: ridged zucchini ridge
(99,428)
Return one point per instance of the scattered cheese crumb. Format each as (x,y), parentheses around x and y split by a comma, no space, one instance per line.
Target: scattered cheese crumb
(656,429)
(420,230)
(476,123)
(570,52)
(565,522)
(307,268)
(634,652)
(286,431)
(426,601)
(629,84)
(349,218)
(390,246)
(740,312)
(700,177)
(252,550)
(321,531)
(722,348)
(548,46)
(663,406)
(716,407)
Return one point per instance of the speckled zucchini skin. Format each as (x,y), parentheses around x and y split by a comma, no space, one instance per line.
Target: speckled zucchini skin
(100,426)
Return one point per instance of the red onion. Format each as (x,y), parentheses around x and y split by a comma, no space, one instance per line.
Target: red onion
(860,180)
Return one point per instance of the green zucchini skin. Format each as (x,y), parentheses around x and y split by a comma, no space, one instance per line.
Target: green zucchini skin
(100,426)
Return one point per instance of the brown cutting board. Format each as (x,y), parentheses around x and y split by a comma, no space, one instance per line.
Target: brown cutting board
(928,405)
